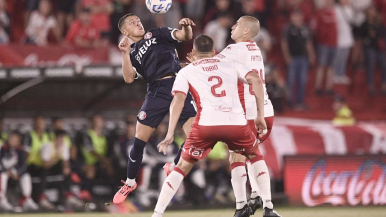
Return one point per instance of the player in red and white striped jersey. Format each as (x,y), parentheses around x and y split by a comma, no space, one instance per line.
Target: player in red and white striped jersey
(247,53)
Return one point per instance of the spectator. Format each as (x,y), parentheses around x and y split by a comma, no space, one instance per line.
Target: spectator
(3,135)
(275,87)
(248,7)
(13,165)
(5,23)
(344,16)
(325,29)
(219,30)
(84,33)
(220,7)
(41,24)
(344,116)
(101,11)
(264,41)
(65,13)
(94,149)
(33,144)
(30,5)
(374,48)
(298,52)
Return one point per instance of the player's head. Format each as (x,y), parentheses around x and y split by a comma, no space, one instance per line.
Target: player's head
(97,121)
(45,7)
(57,123)
(59,136)
(130,25)
(14,139)
(40,123)
(246,28)
(203,46)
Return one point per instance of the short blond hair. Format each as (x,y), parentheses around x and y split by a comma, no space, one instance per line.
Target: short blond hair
(253,24)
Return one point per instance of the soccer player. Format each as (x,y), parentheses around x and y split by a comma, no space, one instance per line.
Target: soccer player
(220,117)
(13,165)
(153,56)
(247,53)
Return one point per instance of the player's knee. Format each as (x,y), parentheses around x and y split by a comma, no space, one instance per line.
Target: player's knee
(234,158)
(137,149)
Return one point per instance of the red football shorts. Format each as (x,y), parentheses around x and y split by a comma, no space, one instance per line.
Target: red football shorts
(268,121)
(202,139)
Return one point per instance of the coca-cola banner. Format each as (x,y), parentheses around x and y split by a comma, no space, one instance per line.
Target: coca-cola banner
(30,55)
(349,180)
(291,136)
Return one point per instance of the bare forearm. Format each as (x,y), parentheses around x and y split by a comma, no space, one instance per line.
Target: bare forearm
(258,89)
(127,68)
(175,111)
(186,33)
(310,49)
(284,48)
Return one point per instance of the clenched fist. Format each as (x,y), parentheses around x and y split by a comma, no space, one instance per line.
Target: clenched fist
(125,44)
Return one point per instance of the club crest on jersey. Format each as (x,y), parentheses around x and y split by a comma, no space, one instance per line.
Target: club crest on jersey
(148,35)
(252,47)
(141,115)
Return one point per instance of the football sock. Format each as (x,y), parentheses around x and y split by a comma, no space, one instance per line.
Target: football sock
(255,189)
(239,180)
(3,185)
(178,156)
(26,185)
(135,158)
(263,181)
(169,189)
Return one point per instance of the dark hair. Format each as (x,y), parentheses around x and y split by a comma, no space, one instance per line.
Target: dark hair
(15,133)
(60,133)
(339,98)
(54,119)
(122,20)
(203,44)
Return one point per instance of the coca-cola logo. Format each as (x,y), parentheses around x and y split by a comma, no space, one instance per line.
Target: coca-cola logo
(363,186)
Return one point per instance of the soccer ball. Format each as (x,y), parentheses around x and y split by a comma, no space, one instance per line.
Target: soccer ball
(158,6)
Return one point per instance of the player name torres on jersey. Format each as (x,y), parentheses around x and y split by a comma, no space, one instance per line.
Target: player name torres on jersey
(155,55)
(213,85)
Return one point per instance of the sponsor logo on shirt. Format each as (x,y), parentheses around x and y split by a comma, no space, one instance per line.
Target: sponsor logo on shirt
(224,108)
(252,47)
(205,61)
(142,50)
(220,56)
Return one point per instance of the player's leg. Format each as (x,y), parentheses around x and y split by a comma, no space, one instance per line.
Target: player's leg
(186,120)
(258,166)
(153,111)
(171,185)
(322,61)
(4,203)
(239,178)
(26,190)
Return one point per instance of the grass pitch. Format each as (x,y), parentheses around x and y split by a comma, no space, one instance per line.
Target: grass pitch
(284,211)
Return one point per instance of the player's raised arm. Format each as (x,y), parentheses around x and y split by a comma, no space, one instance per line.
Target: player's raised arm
(127,68)
(186,33)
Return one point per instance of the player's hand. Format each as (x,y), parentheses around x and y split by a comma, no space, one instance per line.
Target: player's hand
(186,22)
(163,146)
(190,57)
(261,126)
(124,45)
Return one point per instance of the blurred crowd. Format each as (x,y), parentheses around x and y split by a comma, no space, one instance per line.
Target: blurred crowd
(333,37)
(54,167)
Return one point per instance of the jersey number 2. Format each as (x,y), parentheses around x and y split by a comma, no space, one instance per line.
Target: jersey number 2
(260,73)
(213,89)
